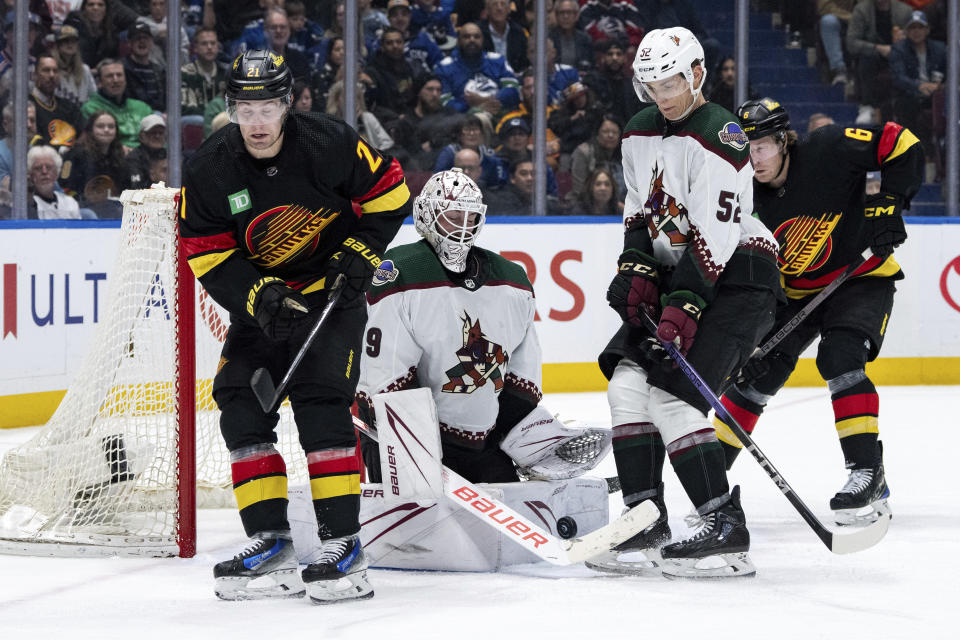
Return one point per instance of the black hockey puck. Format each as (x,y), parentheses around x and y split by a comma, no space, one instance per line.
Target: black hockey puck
(566,527)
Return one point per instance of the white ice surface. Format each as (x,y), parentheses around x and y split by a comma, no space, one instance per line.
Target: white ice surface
(906,587)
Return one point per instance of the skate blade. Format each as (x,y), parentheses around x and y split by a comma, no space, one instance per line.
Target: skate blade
(864,515)
(639,562)
(719,566)
(276,584)
(350,587)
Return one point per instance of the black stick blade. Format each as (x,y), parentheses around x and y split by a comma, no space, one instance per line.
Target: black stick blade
(262,385)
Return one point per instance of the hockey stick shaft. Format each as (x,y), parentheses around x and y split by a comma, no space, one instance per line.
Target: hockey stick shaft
(261,383)
(849,543)
(782,333)
(525,532)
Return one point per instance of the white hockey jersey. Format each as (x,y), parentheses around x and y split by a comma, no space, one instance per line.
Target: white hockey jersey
(692,187)
(465,344)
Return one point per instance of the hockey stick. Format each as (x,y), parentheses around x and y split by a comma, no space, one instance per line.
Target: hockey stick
(261,382)
(775,339)
(528,534)
(846,543)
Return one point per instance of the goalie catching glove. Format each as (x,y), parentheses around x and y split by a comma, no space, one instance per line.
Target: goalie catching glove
(277,308)
(546,449)
(357,262)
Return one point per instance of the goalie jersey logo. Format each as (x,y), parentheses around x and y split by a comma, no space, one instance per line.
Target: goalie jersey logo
(664,213)
(480,360)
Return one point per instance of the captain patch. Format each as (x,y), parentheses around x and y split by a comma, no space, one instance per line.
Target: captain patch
(733,135)
(385,273)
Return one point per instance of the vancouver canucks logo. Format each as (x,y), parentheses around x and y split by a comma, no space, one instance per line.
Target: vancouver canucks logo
(480,360)
(733,135)
(386,272)
(805,242)
(285,234)
(664,213)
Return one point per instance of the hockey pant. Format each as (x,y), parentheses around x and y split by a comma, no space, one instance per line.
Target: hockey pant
(851,325)
(320,392)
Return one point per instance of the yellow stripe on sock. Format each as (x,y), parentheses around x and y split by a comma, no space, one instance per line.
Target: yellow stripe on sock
(724,434)
(333,486)
(854,426)
(260,489)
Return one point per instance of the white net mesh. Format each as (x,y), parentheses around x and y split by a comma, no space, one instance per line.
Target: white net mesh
(101,477)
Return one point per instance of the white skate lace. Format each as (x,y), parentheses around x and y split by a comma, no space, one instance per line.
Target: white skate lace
(693,520)
(332,550)
(255,547)
(858,480)
(707,522)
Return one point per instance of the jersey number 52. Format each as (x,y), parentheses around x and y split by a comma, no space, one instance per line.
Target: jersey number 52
(729,207)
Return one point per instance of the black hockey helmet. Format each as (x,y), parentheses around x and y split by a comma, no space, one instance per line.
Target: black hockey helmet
(259,74)
(763,117)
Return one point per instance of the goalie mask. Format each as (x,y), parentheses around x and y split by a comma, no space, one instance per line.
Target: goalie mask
(449,213)
(661,56)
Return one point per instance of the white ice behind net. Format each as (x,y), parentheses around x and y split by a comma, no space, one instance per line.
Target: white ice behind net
(101,477)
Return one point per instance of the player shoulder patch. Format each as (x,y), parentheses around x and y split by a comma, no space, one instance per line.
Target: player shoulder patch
(731,134)
(386,272)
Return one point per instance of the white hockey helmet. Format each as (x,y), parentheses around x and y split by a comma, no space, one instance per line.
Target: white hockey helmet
(451,236)
(664,53)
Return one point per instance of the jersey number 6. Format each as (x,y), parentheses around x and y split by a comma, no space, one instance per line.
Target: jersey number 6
(727,202)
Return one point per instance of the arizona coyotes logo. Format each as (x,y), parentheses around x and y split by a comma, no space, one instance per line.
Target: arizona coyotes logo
(479,360)
(286,233)
(664,214)
(676,40)
(805,243)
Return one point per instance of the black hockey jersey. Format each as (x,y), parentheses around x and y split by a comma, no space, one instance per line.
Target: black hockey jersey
(242,218)
(817,214)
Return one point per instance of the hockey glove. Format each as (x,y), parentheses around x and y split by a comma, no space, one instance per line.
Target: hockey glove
(753,370)
(635,288)
(678,322)
(884,223)
(357,262)
(277,308)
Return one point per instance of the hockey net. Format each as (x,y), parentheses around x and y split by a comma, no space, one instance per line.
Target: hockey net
(118,469)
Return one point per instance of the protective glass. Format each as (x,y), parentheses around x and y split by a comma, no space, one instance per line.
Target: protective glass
(665,89)
(254,112)
(764,149)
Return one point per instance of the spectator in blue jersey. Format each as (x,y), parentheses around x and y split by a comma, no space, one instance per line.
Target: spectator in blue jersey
(432,17)
(574,47)
(476,79)
(418,48)
(305,34)
(372,21)
(504,36)
(470,136)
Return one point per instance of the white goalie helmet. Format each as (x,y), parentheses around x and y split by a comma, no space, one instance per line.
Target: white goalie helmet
(437,217)
(662,54)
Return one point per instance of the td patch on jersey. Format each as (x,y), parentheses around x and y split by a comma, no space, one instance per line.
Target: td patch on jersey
(733,135)
(386,272)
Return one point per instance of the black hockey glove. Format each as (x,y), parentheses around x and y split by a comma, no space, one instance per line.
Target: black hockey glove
(635,288)
(753,370)
(277,308)
(357,262)
(678,322)
(884,223)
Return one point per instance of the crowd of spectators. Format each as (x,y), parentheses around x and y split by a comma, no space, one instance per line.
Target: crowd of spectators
(442,83)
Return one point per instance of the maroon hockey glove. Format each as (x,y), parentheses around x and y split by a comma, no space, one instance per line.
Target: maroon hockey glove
(635,288)
(357,262)
(678,322)
(277,308)
(884,223)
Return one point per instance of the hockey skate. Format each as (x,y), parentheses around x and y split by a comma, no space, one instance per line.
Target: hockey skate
(718,550)
(265,569)
(863,499)
(639,555)
(339,574)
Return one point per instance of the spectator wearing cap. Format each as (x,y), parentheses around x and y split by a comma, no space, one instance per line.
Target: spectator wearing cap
(470,136)
(577,117)
(574,47)
(612,86)
(504,36)
(76,79)
(146,80)
(515,144)
(516,198)
(875,26)
(418,48)
(476,79)
(6,56)
(392,78)
(918,66)
(153,138)
(157,21)
(112,97)
(203,79)
(612,20)
(525,110)
(433,17)
(6,144)
(48,201)
(99,22)
(58,119)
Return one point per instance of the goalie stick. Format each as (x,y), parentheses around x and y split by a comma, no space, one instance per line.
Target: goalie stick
(845,543)
(261,382)
(525,532)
